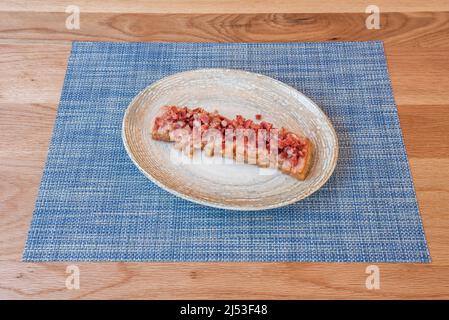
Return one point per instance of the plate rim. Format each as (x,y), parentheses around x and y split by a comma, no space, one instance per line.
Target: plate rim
(335,153)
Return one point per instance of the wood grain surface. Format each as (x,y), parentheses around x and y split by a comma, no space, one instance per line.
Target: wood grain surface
(411,29)
(34,47)
(223,6)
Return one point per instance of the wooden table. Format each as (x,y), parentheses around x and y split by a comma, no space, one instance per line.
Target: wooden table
(34,46)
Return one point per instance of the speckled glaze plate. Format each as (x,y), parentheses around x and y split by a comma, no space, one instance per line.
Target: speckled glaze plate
(220,183)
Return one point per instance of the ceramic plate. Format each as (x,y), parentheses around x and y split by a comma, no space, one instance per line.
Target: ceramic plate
(214,181)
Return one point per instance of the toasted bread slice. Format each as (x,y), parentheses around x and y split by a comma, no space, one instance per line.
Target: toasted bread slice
(294,157)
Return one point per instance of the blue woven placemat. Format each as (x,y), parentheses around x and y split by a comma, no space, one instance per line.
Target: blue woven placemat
(94,204)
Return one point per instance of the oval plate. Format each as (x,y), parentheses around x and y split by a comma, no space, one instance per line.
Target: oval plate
(229,185)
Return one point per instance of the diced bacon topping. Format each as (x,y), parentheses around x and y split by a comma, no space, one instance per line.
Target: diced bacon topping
(291,147)
(180,124)
(255,126)
(266,125)
(294,161)
(247,124)
(159,122)
(204,118)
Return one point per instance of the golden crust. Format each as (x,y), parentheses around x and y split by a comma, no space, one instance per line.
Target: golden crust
(161,136)
(302,174)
